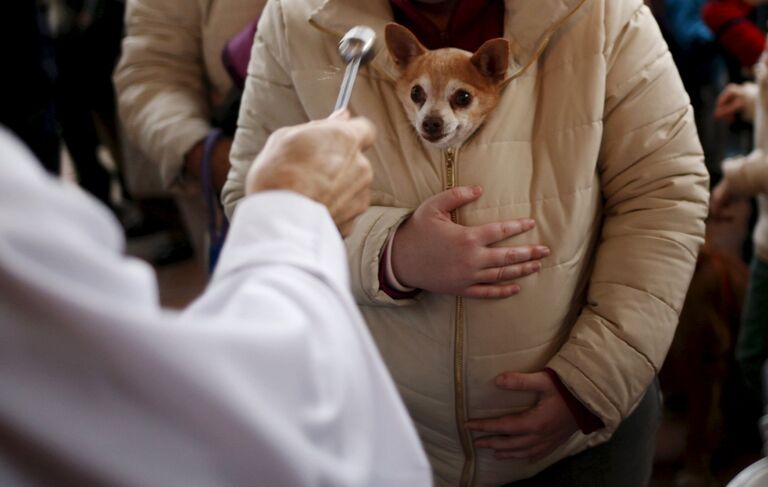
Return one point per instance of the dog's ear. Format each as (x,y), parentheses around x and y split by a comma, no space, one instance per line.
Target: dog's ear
(402,44)
(492,59)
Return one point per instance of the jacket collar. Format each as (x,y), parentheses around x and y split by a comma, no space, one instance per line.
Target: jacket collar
(528,25)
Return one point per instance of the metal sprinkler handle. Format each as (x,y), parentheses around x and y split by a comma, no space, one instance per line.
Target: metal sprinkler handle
(355,48)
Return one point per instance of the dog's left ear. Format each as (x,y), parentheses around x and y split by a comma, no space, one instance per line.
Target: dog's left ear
(492,59)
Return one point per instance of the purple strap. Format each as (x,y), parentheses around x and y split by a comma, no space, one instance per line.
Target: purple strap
(217,223)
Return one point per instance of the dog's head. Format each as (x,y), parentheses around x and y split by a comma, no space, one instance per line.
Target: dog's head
(447,93)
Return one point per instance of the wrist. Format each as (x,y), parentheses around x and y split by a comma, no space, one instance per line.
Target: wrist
(587,421)
(387,277)
(389,272)
(397,268)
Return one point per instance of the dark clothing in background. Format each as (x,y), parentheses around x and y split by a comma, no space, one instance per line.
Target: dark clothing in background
(27,104)
(59,85)
(752,343)
(87,49)
(703,67)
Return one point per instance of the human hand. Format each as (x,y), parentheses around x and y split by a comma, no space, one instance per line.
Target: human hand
(534,433)
(720,199)
(431,252)
(730,101)
(322,160)
(219,161)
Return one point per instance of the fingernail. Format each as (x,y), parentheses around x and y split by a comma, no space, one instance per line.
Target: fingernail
(544,251)
(477,190)
(529,222)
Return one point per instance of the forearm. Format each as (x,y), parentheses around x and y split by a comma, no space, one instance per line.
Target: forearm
(209,158)
(160,83)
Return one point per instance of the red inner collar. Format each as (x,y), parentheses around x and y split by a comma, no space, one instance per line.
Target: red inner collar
(472,23)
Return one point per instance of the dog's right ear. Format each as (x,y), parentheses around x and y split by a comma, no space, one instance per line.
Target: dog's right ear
(402,45)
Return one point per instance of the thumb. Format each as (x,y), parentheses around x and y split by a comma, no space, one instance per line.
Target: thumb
(340,114)
(517,381)
(451,199)
(727,101)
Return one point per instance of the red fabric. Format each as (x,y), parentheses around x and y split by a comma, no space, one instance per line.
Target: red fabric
(587,421)
(719,11)
(472,23)
(734,31)
(745,41)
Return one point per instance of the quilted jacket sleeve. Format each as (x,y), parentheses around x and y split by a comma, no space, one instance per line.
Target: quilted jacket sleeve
(161,93)
(365,247)
(654,186)
(269,101)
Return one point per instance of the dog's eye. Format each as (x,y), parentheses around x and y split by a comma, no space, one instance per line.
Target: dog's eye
(417,95)
(462,98)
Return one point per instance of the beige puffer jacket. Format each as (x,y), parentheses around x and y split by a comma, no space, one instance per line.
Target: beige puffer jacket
(170,73)
(594,138)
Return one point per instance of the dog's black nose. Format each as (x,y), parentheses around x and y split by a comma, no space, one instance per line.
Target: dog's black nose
(432,125)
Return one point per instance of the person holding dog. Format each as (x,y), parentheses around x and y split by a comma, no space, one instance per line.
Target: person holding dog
(747,177)
(268,378)
(542,265)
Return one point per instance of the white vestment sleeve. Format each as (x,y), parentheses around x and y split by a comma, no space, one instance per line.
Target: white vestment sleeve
(270,378)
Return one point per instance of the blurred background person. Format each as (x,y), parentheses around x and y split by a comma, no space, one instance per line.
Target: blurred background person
(171,84)
(747,177)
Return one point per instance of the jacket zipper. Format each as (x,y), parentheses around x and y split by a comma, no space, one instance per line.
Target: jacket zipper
(468,470)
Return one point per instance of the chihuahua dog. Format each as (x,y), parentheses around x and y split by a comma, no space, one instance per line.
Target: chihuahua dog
(447,93)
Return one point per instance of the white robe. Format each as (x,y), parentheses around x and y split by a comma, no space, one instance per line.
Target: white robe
(270,378)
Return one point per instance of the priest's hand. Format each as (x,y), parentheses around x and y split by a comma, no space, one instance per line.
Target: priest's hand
(322,160)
